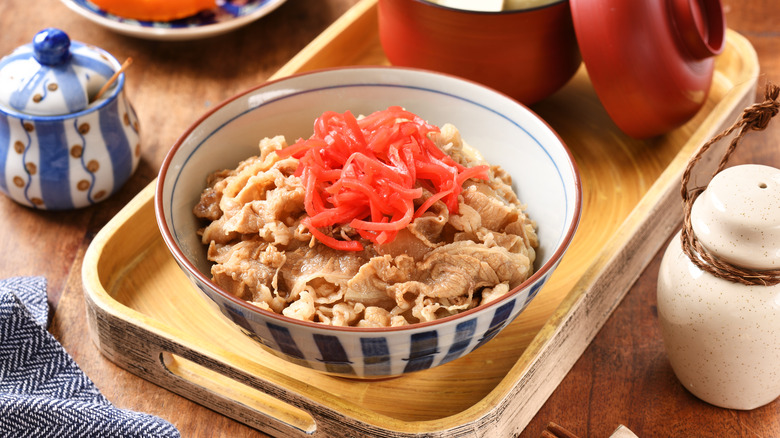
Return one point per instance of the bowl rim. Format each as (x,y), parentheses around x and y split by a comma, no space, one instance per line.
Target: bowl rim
(178,254)
(488,13)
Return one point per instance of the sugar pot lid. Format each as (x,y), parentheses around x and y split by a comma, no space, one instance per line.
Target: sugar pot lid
(52,75)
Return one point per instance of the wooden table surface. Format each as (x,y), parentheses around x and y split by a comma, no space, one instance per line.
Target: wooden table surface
(623,377)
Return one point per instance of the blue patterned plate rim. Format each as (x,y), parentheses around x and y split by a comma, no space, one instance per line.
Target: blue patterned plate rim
(228,15)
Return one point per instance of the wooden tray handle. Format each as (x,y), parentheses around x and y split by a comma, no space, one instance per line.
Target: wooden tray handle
(248,398)
(221,393)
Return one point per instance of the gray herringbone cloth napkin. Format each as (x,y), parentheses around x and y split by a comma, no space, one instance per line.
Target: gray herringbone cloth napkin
(43,393)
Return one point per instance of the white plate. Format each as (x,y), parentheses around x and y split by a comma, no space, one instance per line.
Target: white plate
(227,16)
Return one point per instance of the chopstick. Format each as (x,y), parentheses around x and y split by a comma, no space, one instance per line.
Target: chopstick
(554,430)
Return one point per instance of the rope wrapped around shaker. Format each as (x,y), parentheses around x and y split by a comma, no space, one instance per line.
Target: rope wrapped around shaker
(754,118)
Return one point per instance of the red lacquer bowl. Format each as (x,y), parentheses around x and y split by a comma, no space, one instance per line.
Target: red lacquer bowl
(650,61)
(526,54)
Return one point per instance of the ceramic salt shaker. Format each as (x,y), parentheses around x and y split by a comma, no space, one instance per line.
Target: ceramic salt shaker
(722,336)
(63,143)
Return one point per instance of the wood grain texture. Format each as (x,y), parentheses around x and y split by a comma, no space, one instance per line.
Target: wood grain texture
(623,376)
(170,84)
(133,285)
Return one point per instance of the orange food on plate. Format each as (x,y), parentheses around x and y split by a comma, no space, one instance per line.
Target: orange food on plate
(154,10)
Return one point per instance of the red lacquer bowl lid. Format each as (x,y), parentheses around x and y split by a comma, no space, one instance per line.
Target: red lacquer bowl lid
(650,61)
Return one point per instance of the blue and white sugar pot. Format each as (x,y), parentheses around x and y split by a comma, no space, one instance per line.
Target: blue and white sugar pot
(61,145)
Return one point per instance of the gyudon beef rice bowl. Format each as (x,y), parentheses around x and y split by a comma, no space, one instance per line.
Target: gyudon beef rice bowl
(375,221)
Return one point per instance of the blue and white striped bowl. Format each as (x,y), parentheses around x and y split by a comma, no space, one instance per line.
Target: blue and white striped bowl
(504,131)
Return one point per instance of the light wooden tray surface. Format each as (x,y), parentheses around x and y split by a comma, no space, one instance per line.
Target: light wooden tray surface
(145,316)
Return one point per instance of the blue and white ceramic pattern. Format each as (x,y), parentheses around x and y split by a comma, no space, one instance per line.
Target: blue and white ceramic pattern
(228,15)
(504,131)
(52,76)
(377,353)
(59,147)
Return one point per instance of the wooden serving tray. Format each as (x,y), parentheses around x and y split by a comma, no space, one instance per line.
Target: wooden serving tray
(145,316)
